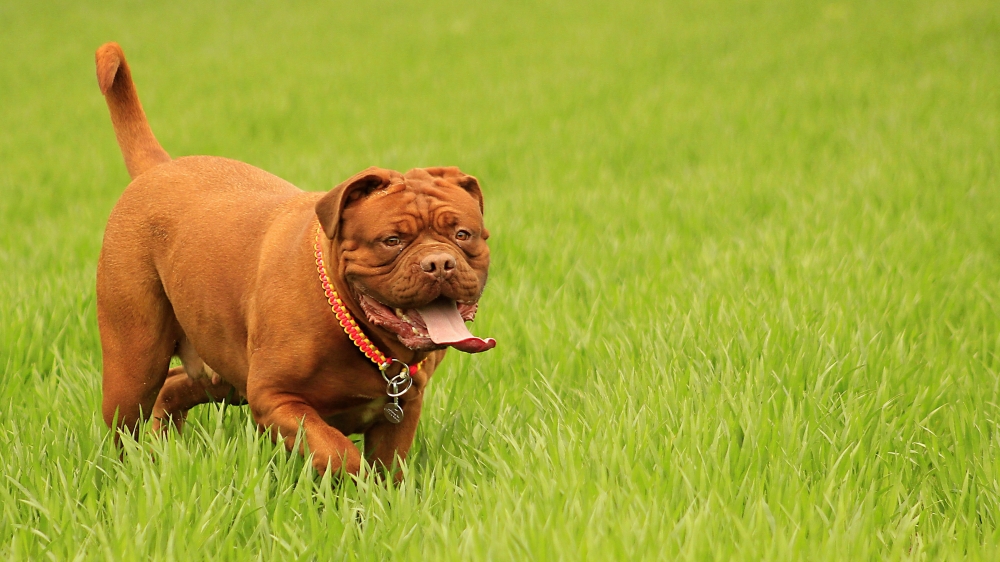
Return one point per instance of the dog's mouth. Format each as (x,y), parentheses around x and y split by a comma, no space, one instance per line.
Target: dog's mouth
(437,324)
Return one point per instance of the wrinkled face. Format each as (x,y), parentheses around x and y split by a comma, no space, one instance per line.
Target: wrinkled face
(413,251)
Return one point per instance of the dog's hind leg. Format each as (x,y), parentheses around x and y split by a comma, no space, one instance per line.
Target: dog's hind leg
(182,392)
(138,337)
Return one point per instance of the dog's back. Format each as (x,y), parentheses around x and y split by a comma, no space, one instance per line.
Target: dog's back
(183,238)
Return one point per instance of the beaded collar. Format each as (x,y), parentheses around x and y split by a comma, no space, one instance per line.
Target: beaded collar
(397,385)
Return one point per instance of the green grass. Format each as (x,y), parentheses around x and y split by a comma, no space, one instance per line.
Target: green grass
(746,277)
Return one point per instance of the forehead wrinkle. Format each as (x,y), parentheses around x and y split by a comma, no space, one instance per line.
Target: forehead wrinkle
(433,208)
(443,221)
(408,223)
(405,218)
(422,208)
(392,209)
(461,198)
(406,200)
(444,215)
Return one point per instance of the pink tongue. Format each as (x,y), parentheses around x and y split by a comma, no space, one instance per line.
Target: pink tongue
(446,327)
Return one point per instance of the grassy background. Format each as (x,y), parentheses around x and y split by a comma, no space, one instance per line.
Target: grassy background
(746,276)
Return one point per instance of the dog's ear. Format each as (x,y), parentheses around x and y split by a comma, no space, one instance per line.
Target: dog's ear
(453,175)
(330,207)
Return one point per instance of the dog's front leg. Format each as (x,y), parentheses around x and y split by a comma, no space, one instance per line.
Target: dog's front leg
(386,441)
(283,414)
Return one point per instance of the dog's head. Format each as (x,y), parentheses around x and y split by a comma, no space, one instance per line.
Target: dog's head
(412,248)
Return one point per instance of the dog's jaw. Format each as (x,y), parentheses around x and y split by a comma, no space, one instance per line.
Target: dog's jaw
(407,325)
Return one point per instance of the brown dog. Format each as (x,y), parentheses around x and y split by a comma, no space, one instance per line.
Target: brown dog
(215,261)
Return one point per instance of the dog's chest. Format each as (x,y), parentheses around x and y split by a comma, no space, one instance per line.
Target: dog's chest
(358,418)
(368,412)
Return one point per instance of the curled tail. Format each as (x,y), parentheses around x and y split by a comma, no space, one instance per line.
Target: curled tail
(139,146)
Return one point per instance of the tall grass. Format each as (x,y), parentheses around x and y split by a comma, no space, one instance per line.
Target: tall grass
(745,284)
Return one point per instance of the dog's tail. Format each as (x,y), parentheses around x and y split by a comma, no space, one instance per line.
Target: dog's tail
(139,146)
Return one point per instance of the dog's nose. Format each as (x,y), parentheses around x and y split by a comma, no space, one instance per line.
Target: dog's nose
(439,264)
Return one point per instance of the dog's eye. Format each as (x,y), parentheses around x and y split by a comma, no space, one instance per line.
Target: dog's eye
(463,235)
(392,241)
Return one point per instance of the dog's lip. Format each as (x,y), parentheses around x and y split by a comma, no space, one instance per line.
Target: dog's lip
(413,316)
(410,326)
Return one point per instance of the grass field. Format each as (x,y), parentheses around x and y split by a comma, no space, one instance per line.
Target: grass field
(746,277)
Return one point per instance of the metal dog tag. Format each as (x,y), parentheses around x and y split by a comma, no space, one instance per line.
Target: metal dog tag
(393,412)
(394,388)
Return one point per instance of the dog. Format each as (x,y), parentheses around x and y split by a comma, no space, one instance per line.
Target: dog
(327,312)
